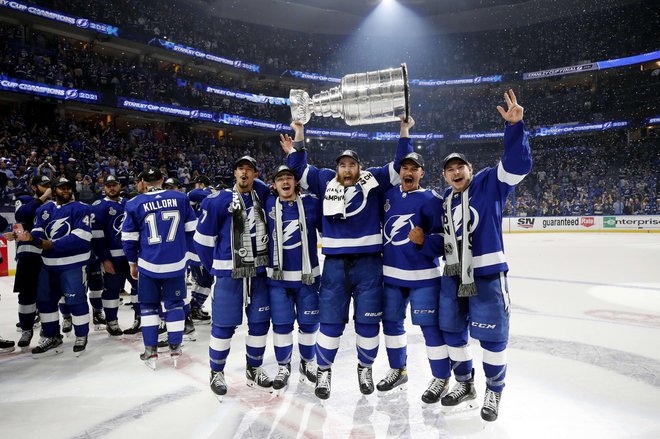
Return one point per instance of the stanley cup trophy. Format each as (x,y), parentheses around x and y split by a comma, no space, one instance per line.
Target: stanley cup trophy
(362,98)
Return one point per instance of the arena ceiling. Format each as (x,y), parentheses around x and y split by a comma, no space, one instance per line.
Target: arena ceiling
(446,16)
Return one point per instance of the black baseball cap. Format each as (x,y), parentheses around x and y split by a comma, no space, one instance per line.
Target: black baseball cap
(110,179)
(40,180)
(203,179)
(283,169)
(246,159)
(172,182)
(63,181)
(415,158)
(152,174)
(454,156)
(349,153)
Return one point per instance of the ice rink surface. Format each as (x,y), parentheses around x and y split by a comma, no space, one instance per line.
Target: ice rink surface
(584,362)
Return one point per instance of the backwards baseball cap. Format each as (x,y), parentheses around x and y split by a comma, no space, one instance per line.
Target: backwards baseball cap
(415,158)
(151,174)
(283,169)
(349,153)
(172,182)
(62,181)
(246,159)
(40,180)
(203,179)
(110,179)
(454,156)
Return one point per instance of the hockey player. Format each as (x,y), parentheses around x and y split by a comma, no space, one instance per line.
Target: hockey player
(202,280)
(412,276)
(63,232)
(107,220)
(28,256)
(474,293)
(155,244)
(293,274)
(352,243)
(232,243)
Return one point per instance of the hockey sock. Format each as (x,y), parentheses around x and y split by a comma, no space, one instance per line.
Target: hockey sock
(367,342)
(283,342)
(80,318)
(437,351)
(186,306)
(110,301)
(150,321)
(219,346)
(64,308)
(327,343)
(255,343)
(174,318)
(95,299)
(50,318)
(307,340)
(494,363)
(395,344)
(26,312)
(460,354)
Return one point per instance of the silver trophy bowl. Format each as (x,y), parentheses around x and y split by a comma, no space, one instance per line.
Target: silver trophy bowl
(362,98)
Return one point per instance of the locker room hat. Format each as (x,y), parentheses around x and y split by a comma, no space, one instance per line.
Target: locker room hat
(246,159)
(152,174)
(40,180)
(283,169)
(349,153)
(203,179)
(415,158)
(172,182)
(454,156)
(63,181)
(110,179)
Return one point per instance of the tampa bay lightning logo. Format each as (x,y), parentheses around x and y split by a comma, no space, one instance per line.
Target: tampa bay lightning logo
(71,93)
(251,222)
(82,22)
(118,223)
(396,229)
(290,235)
(457,215)
(237,63)
(355,201)
(477,80)
(58,229)
(607,125)
(194,113)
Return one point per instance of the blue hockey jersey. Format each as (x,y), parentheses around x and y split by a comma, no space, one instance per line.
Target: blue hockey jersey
(196,196)
(291,246)
(107,219)
(404,263)
(154,232)
(488,192)
(25,212)
(68,227)
(213,236)
(360,230)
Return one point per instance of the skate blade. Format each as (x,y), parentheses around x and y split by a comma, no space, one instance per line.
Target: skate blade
(201,322)
(255,386)
(68,334)
(79,353)
(393,392)
(26,349)
(463,407)
(8,350)
(189,337)
(280,392)
(219,397)
(50,353)
(99,328)
(151,363)
(175,360)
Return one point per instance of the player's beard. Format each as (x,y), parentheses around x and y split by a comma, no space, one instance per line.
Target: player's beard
(63,199)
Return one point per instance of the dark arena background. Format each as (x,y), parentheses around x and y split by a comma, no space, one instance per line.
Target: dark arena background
(90,89)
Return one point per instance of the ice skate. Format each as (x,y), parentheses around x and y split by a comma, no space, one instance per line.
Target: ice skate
(307,371)
(175,353)
(113,329)
(24,341)
(48,346)
(150,357)
(189,329)
(258,378)
(281,381)
(438,387)
(395,379)
(98,320)
(200,316)
(323,383)
(491,405)
(80,345)
(365,379)
(136,327)
(218,384)
(67,326)
(461,397)
(7,346)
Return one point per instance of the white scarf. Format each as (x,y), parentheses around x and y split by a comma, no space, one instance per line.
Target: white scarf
(278,246)
(244,261)
(454,265)
(334,202)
